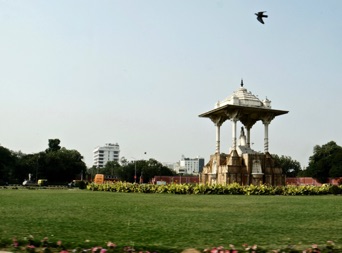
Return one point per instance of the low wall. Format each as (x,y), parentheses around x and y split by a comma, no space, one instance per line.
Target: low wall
(310,181)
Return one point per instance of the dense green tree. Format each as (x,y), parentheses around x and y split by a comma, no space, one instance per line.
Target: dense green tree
(325,162)
(144,170)
(53,145)
(26,164)
(112,168)
(92,171)
(7,164)
(290,167)
(61,165)
(58,165)
(148,169)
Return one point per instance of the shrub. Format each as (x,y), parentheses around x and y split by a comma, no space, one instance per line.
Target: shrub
(231,189)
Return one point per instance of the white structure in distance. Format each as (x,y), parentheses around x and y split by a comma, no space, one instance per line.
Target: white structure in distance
(189,166)
(104,154)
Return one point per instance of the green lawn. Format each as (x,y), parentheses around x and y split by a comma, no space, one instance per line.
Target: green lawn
(168,221)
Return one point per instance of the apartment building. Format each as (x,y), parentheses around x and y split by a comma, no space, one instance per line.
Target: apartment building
(104,154)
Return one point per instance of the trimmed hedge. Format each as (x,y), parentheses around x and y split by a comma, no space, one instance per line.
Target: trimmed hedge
(231,189)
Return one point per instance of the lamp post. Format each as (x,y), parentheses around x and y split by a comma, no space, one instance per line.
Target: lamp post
(135,169)
(37,167)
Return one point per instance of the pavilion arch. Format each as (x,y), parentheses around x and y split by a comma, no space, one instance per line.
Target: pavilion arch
(242,164)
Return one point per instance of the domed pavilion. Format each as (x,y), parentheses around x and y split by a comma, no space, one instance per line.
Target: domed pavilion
(242,164)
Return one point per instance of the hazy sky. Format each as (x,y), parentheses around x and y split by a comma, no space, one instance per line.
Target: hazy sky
(139,72)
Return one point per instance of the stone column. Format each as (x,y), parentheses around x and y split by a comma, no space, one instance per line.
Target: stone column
(234,120)
(266,121)
(218,126)
(266,137)
(248,137)
(218,121)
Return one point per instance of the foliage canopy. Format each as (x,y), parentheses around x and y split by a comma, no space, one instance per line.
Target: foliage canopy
(325,162)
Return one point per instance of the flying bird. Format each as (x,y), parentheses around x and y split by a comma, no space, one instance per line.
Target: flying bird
(261,15)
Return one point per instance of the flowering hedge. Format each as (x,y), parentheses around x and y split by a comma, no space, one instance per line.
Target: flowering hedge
(29,245)
(232,189)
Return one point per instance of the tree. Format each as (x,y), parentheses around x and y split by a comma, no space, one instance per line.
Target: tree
(152,168)
(144,170)
(53,145)
(325,162)
(61,165)
(112,168)
(290,167)
(26,164)
(7,164)
(58,165)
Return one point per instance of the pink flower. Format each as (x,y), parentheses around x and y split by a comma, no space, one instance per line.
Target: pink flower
(213,250)
(64,251)
(15,242)
(103,251)
(111,245)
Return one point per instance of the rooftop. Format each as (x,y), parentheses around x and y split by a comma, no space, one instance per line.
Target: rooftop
(243,97)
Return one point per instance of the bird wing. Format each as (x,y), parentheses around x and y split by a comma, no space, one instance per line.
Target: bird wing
(260,20)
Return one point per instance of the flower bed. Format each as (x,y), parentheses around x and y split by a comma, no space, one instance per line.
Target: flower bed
(30,245)
(231,189)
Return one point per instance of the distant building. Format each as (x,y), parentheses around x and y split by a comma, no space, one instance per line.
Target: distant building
(171,166)
(104,154)
(190,165)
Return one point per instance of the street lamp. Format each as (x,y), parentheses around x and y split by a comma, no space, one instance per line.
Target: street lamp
(37,167)
(135,170)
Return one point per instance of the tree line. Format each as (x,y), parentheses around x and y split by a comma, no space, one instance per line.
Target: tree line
(60,165)
(325,162)
(56,164)
(139,171)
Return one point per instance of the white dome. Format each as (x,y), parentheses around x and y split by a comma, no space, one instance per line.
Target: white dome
(242,97)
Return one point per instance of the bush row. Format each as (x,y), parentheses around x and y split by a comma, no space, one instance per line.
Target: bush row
(231,189)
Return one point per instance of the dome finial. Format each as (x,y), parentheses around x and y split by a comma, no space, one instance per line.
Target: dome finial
(241,82)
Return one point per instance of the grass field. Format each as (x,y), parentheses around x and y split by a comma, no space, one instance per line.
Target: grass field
(167,221)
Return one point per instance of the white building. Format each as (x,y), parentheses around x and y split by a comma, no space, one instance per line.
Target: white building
(191,165)
(104,154)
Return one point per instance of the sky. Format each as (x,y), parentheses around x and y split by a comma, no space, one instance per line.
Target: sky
(139,72)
